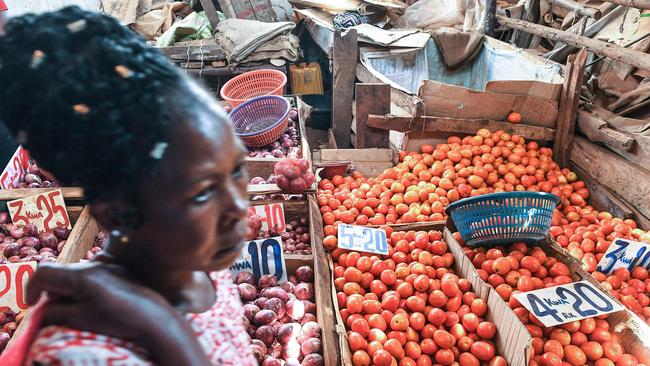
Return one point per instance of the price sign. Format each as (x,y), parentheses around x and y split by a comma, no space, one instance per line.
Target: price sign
(45,210)
(270,215)
(566,303)
(13,285)
(262,257)
(362,239)
(624,253)
(15,169)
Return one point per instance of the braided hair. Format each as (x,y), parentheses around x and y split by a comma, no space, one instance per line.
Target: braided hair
(89,99)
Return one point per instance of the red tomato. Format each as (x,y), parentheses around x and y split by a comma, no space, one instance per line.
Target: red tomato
(593,350)
(444,357)
(574,355)
(468,359)
(483,350)
(470,322)
(360,358)
(443,339)
(550,359)
(382,358)
(486,330)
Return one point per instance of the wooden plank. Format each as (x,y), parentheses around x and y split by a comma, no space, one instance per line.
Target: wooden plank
(533,88)
(577,8)
(81,238)
(399,98)
(565,127)
(344,61)
(469,126)
(602,198)
(69,193)
(531,14)
(626,179)
(371,99)
(639,4)
(357,155)
(597,130)
(635,58)
(326,311)
(211,13)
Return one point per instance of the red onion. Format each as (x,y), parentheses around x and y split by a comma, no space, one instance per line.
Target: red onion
(313,359)
(305,274)
(62,232)
(304,291)
(247,292)
(266,334)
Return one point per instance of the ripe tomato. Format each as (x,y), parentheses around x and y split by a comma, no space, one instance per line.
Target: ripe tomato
(593,350)
(478,307)
(498,361)
(444,357)
(486,330)
(360,358)
(443,339)
(574,355)
(357,341)
(550,359)
(482,350)
(382,358)
(399,322)
(354,304)
(394,347)
(468,359)
(360,326)
(470,322)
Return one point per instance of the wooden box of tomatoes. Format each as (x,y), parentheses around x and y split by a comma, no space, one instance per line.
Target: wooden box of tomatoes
(454,324)
(618,338)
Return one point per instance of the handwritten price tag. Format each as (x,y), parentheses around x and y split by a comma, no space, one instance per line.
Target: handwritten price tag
(15,169)
(262,257)
(566,303)
(270,215)
(13,285)
(624,253)
(45,210)
(362,239)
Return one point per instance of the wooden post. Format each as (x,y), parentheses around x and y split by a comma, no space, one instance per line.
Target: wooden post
(531,14)
(211,13)
(490,18)
(344,62)
(626,56)
(371,99)
(568,110)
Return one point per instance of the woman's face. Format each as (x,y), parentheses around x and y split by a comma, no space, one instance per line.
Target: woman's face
(194,212)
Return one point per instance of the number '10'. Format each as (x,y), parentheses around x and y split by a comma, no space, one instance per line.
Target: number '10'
(263,262)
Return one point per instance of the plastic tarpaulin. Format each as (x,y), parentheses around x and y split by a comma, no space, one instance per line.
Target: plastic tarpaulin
(497,61)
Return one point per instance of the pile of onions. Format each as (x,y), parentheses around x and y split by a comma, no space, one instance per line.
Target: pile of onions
(281,320)
(9,321)
(23,243)
(36,178)
(288,145)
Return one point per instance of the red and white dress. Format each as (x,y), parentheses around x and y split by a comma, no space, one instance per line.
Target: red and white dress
(219,330)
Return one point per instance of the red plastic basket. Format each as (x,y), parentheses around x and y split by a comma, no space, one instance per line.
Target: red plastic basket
(262,120)
(253,84)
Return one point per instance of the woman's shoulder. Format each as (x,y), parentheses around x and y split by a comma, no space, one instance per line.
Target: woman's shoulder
(56,345)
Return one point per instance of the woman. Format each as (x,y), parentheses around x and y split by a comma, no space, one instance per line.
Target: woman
(164,174)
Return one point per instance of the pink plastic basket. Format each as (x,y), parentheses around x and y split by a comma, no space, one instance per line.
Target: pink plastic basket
(262,120)
(253,84)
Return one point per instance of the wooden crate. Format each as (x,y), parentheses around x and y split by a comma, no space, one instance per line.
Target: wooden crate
(72,195)
(263,167)
(633,332)
(77,244)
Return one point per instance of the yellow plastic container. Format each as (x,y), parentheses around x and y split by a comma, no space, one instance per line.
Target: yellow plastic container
(306,79)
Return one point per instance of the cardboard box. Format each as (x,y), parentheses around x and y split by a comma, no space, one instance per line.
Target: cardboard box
(445,100)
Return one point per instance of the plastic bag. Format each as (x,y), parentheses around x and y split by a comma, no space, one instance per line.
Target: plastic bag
(434,14)
(465,15)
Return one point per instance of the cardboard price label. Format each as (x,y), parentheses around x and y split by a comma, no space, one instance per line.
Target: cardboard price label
(270,215)
(362,239)
(262,257)
(566,303)
(45,210)
(13,285)
(15,169)
(624,253)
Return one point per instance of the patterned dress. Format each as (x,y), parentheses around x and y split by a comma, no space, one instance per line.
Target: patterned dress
(219,331)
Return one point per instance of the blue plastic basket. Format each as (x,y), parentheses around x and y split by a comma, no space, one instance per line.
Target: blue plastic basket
(504,218)
(262,120)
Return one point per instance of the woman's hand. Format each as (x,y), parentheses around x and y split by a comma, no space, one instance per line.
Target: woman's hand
(97,297)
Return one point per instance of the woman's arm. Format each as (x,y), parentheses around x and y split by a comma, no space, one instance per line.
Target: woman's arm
(96,297)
